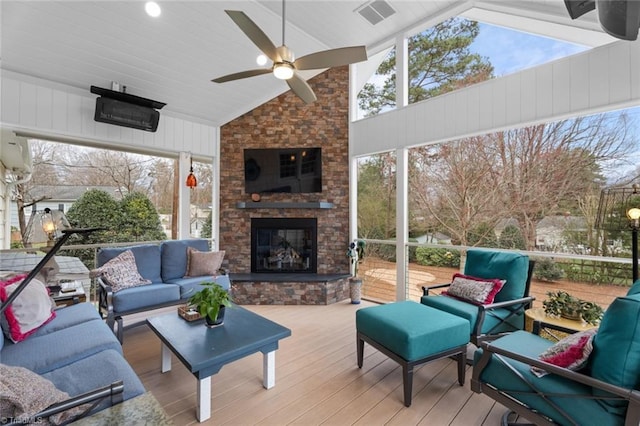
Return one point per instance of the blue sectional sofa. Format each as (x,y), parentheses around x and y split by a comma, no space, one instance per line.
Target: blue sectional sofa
(77,353)
(165,266)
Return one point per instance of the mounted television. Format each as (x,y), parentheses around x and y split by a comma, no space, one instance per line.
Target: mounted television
(292,170)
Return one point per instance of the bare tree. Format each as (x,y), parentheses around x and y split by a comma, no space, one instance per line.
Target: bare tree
(376,196)
(456,185)
(125,171)
(547,165)
(523,173)
(160,189)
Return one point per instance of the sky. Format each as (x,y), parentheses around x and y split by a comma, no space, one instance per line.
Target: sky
(510,51)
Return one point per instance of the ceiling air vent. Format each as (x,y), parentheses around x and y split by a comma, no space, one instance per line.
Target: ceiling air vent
(375,11)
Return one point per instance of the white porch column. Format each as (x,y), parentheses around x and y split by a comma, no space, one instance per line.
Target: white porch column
(402,72)
(402,221)
(353,161)
(184,196)
(215,196)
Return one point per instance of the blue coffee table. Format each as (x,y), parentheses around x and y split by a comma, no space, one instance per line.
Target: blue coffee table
(205,350)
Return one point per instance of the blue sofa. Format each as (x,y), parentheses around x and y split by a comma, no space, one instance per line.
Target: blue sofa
(164,265)
(77,353)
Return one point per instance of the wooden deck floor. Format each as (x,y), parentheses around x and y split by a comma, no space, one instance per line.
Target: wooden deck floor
(317,380)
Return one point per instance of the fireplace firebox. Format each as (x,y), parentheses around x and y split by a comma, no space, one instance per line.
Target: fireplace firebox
(284,245)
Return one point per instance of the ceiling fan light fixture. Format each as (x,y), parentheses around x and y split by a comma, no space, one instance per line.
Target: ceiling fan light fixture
(153,9)
(261,59)
(283,71)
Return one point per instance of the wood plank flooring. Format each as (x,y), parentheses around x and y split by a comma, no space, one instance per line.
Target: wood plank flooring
(317,380)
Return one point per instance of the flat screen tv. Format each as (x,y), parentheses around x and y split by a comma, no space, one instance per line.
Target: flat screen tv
(292,170)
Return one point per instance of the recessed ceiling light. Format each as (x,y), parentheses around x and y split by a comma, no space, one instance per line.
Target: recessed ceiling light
(153,9)
(261,60)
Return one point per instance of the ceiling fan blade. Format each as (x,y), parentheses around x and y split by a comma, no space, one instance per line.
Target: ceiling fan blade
(301,88)
(332,58)
(240,75)
(255,34)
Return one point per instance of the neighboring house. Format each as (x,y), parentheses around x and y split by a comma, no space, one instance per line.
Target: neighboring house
(434,238)
(58,197)
(165,222)
(551,233)
(199,216)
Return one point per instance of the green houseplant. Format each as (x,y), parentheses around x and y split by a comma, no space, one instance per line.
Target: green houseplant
(561,303)
(210,302)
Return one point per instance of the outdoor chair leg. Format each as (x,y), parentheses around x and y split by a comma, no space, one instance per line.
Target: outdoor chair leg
(360,351)
(120,331)
(407,379)
(462,366)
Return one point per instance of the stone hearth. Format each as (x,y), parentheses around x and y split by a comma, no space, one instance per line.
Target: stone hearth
(286,121)
(289,289)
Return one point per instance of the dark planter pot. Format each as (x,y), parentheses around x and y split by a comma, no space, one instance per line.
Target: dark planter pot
(218,321)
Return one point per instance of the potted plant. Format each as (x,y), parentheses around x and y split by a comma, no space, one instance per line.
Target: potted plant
(210,302)
(356,254)
(561,303)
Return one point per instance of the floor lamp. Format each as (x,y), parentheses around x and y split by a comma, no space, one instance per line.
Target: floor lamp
(634,222)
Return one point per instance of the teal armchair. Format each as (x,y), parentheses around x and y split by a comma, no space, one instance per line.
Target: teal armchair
(506,313)
(604,392)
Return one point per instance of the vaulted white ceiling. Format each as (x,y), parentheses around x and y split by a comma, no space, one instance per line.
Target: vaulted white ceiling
(173,58)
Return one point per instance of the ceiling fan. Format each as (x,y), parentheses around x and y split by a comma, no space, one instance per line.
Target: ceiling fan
(284,63)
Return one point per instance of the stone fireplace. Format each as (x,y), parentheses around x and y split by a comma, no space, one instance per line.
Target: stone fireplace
(278,276)
(283,245)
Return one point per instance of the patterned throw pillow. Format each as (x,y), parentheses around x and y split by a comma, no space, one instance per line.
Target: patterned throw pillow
(202,263)
(28,312)
(25,394)
(121,272)
(480,291)
(572,352)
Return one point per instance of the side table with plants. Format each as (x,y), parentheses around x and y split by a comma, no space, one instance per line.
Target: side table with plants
(562,304)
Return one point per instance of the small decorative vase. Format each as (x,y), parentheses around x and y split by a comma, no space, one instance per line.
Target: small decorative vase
(355,289)
(219,320)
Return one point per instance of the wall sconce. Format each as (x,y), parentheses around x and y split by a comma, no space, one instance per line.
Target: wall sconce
(192,182)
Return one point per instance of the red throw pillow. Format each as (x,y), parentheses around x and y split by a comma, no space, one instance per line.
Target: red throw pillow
(572,352)
(30,310)
(480,291)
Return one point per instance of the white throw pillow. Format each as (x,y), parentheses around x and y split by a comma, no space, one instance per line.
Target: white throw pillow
(30,310)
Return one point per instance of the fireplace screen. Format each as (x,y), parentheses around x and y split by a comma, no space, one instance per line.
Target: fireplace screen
(283,245)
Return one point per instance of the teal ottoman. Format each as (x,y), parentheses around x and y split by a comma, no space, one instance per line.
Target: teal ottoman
(411,334)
